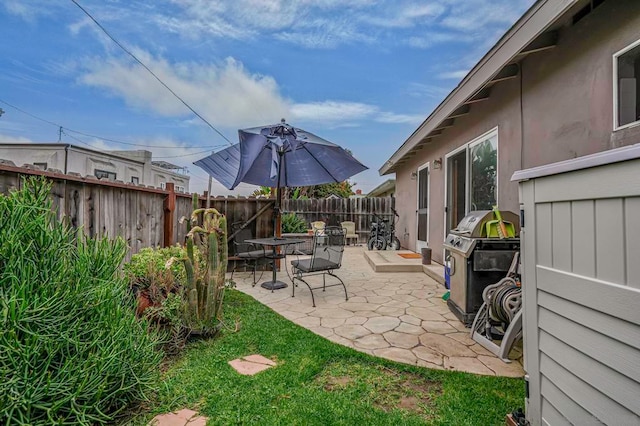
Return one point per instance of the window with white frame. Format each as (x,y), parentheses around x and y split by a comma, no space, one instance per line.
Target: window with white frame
(472,178)
(626,64)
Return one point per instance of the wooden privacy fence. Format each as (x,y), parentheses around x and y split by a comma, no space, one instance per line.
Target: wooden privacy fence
(149,217)
(332,211)
(142,216)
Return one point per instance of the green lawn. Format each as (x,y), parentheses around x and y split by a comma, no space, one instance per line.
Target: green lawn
(318,382)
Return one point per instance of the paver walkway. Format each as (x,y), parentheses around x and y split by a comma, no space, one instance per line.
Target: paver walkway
(395,315)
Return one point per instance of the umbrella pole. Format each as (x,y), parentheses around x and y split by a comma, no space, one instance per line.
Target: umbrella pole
(276,214)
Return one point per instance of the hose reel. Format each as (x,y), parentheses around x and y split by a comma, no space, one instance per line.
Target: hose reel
(500,316)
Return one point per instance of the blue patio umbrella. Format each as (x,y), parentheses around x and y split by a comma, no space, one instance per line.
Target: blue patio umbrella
(280,156)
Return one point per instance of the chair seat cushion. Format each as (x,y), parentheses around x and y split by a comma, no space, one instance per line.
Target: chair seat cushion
(255,254)
(318,265)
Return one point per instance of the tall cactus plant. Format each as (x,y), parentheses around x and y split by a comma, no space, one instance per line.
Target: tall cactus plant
(206,276)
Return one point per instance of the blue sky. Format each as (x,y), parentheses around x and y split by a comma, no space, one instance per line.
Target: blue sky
(363,74)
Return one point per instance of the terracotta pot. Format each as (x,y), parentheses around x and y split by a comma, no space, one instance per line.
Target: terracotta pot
(144,302)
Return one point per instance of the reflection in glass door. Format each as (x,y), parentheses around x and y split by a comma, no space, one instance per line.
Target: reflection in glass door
(423,208)
(472,178)
(456,189)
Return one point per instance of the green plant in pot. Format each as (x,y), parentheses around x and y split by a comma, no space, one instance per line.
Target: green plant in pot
(293,224)
(149,278)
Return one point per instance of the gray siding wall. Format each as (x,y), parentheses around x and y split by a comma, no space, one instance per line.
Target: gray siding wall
(581,256)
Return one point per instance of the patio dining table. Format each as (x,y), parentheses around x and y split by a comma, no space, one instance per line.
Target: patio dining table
(275,242)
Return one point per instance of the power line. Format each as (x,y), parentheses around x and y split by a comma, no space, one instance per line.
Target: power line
(100,137)
(149,70)
(155,157)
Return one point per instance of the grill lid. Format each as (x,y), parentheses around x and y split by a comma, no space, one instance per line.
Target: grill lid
(472,225)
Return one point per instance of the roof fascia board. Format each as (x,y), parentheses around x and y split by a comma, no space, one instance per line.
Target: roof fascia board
(533,23)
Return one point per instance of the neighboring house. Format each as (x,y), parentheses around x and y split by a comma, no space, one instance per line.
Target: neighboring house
(563,82)
(126,166)
(358,194)
(385,189)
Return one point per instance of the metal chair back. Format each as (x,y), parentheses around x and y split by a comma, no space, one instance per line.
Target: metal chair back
(328,248)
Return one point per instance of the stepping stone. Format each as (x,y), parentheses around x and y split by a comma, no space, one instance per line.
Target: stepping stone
(401,340)
(470,365)
(382,324)
(397,354)
(251,364)
(184,417)
(446,346)
(351,331)
(372,341)
(259,359)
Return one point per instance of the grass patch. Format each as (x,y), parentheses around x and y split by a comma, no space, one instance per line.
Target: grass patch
(385,388)
(318,382)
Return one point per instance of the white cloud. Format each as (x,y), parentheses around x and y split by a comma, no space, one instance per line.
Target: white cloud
(225,94)
(455,75)
(333,111)
(13,139)
(29,10)
(404,16)
(391,118)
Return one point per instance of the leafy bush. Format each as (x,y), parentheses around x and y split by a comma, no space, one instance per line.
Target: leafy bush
(137,270)
(71,349)
(293,224)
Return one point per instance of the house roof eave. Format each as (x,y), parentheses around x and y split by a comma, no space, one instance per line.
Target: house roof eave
(540,16)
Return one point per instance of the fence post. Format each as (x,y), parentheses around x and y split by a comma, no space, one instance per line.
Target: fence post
(169,214)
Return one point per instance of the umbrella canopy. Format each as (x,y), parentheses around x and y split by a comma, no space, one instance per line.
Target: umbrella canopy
(280,156)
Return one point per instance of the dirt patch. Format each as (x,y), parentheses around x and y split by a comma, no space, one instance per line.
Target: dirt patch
(414,394)
(333,383)
(385,388)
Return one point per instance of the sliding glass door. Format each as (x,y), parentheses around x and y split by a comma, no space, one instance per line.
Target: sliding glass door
(472,173)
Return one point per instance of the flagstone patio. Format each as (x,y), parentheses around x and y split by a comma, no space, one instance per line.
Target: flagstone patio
(395,315)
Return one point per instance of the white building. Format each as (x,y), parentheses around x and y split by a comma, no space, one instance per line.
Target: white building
(126,166)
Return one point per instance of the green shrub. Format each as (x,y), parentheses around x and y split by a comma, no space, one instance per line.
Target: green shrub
(293,224)
(148,258)
(71,349)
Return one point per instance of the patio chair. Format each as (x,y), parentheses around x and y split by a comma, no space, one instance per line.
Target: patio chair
(328,248)
(350,228)
(245,254)
(318,225)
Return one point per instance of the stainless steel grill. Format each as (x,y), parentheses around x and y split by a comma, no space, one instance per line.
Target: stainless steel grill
(475,261)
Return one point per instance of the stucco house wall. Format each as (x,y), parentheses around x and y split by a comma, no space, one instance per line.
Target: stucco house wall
(502,109)
(565,111)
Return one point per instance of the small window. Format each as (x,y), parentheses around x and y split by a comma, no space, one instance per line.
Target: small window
(104,174)
(134,179)
(43,166)
(163,185)
(180,188)
(627,67)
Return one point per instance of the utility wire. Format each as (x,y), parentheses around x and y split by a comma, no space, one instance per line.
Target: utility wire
(100,137)
(106,152)
(149,70)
